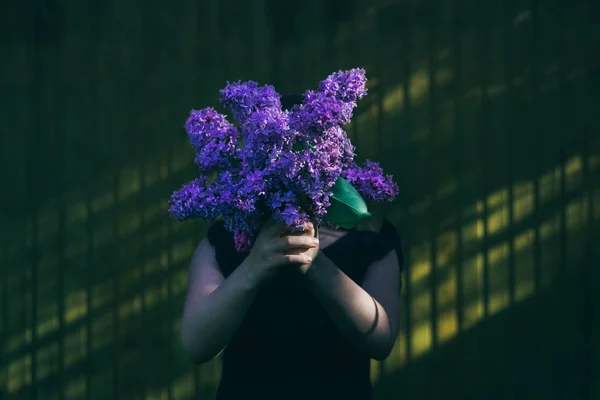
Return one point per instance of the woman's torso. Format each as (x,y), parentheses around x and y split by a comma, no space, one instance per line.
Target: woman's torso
(287,347)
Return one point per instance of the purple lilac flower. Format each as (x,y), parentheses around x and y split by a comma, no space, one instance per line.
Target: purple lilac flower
(194,200)
(371,183)
(249,190)
(280,163)
(246,98)
(291,215)
(244,226)
(278,199)
(266,134)
(243,241)
(319,113)
(214,139)
(329,106)
(348,86)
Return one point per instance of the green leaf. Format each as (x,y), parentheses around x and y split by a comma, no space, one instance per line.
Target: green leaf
(347,208)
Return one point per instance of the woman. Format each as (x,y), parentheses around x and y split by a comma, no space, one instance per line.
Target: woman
(300,315)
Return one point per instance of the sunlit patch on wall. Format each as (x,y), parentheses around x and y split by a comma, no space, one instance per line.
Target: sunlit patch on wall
(375,371)
(19,373)
(421,265)
(156,293)
(4,378)
(524,264)
(447,326)
(103,202)
(446,286)
(75,388)
(16,341)
(130,307)
(473,284)
(165,258)
(156,265)
(577,213)
(75,306)
(472,232)
(498,218)
(550,247)
(498,278)
(211,372)
(398,355)
(574,172)
(47,324)
(550,185)
(47,299)
(522,17)
(183,387)
(394,99)
(421,337)
(445,249)
(524,200)
(129,181)
(596,205)
(165,168)
(550,227)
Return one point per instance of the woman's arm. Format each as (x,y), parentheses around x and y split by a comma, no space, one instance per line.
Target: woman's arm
(215,306)
(367,316)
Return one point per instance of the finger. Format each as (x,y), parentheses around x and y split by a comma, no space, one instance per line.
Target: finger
(290,242)
(294,259)
(312,232)
(296,251)
(290,231)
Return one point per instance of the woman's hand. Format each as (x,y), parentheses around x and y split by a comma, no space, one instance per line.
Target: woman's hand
(312,252)
(275,247)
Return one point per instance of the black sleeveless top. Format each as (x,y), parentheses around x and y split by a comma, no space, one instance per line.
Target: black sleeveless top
(287,347)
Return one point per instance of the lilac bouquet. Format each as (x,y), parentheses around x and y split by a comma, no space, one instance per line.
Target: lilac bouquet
(294,165)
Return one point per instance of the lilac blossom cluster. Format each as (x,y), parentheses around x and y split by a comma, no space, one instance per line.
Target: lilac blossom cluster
(279,163)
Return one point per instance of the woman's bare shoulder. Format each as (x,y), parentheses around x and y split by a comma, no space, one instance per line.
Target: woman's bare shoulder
(204,265)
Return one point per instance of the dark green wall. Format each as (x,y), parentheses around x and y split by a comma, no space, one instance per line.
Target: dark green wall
(485,111)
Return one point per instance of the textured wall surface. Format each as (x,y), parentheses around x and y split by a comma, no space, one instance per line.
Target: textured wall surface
(485,111)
